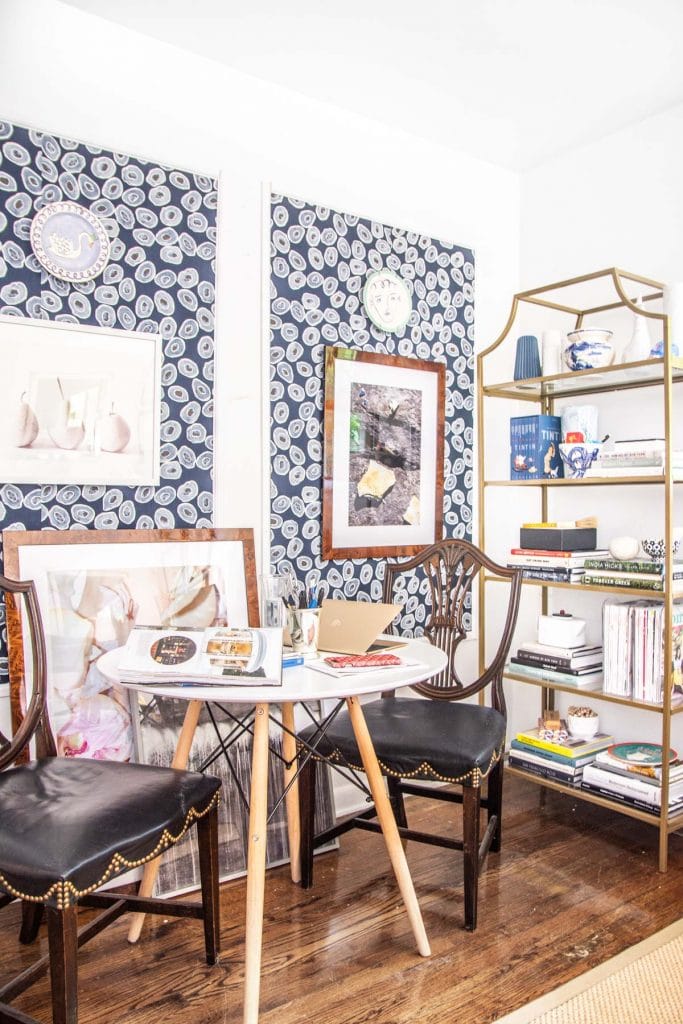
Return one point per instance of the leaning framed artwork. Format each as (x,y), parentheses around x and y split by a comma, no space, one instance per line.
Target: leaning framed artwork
(81,404)
(383,454)
(93,586)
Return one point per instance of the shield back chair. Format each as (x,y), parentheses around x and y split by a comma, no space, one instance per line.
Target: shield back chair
(438,738)
(67,826)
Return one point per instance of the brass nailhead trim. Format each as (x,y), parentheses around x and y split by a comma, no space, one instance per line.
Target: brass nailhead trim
(66,892)
(475,775)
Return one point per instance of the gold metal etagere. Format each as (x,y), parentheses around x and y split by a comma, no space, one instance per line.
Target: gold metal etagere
(578,298)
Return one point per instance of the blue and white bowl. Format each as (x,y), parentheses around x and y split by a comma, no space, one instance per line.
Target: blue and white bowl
(589,348)
(578,458)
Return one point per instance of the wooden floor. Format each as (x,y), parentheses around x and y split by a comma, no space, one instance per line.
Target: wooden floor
(573,886)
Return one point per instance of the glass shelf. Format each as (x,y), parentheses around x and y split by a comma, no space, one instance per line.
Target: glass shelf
(655,595)
(672,822)
(588,481)
(624,376)
(584,691)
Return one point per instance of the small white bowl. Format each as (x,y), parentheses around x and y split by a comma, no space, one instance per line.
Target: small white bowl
(582,728)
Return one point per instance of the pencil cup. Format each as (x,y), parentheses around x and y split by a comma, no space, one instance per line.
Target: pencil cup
(303,626)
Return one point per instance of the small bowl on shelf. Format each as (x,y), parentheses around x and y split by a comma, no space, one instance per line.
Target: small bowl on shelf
(578,457)
(655,547)
(589,348)
(582,722)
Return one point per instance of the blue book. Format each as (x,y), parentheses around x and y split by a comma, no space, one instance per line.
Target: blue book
(535,448)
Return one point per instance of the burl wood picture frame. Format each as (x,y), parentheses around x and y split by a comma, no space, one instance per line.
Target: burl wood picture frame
(383,454)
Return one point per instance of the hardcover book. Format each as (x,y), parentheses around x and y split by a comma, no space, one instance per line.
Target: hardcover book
(571,747)
(534,448)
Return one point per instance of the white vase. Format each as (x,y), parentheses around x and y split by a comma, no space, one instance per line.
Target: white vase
(640,344)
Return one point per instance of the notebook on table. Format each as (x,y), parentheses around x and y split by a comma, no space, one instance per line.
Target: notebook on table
(353,627)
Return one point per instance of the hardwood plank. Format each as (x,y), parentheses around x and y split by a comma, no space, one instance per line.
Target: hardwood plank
(572,886)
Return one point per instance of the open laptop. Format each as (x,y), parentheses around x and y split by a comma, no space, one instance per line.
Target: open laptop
(352,627)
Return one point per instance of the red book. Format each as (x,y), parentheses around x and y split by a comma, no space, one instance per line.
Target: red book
(553,554)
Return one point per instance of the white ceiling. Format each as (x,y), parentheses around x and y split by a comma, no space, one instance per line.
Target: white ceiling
(510,81)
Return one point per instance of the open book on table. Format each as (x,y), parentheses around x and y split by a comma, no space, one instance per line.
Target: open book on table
(217,654)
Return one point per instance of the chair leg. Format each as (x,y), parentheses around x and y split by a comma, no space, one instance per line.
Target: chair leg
(207,839)
(495,802)
(471,808)
(397,804)
(307,780)
(31,917)
(62,933)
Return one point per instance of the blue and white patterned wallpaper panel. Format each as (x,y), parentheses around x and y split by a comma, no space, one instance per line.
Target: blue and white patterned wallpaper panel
(320,260)
(160,278)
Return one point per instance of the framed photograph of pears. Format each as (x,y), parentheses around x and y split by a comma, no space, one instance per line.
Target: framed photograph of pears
(81,405)
(383,455)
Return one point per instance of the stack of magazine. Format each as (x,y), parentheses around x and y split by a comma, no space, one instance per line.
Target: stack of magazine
(221,655)
(633,649)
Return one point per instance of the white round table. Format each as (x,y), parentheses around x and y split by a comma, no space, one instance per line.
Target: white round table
(299,684)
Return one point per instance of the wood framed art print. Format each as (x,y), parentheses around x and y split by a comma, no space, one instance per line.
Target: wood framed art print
(383,454)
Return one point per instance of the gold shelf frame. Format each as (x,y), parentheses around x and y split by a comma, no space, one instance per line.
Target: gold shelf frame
(542,391)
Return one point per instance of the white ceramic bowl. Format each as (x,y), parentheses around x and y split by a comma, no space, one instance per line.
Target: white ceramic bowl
(589,348)
(582,728)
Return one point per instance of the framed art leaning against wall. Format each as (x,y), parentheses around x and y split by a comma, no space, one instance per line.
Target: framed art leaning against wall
(383,454)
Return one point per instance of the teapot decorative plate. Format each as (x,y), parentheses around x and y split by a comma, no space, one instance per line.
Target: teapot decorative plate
(69,241)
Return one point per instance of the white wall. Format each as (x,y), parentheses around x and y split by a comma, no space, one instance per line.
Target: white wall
(73,74)
(617,202)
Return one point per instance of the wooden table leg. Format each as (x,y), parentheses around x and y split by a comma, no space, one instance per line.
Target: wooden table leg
(180,759)
(388,824)
(292,798)
(256,864)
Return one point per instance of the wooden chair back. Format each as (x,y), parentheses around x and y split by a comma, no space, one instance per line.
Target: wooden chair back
(450,568)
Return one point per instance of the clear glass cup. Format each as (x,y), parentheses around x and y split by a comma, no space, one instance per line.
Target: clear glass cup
(273,589)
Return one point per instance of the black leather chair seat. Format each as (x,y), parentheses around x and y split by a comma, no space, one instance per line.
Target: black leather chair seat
(67,824)
(445,741)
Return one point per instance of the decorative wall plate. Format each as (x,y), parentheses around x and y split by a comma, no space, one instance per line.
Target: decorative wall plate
(387,300)
(69,241)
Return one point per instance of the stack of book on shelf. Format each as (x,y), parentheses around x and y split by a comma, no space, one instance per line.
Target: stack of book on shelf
(643,456)
(616,775)
(571,666)
(552,566)
(563,759)
(645,574)
(633,649)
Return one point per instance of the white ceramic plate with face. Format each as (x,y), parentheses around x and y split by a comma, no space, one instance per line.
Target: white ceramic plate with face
(387,300)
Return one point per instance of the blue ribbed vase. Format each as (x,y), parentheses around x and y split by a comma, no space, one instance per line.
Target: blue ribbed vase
(527,358)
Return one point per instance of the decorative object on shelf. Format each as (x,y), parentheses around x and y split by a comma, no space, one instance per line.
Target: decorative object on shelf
(638,348)
(69,241)
(655,547)
(624,548)
(534,447)
(527,358)
(580,419)
(589,348)
(578,458)
(387,300)
(561,630)
(582,722)
(551,353)
(641,753)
